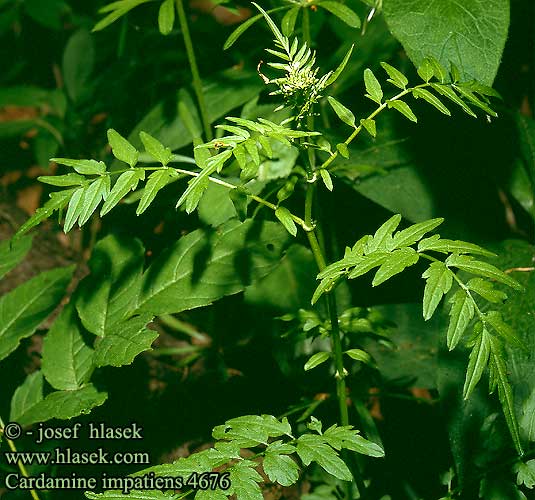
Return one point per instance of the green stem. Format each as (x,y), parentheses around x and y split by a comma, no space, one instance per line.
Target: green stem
(21,466)
(197,83)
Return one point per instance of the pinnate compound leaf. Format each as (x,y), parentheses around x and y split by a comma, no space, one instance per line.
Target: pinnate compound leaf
(122,149)
(414,233)
(470,264)
(431,99)
(342,12)
(350,439)
(477,362)
(446,91)
(23,309)
(243,27)
(67,361)
(58,200)
(156,181)
(486,290)
(312,448)
(404,109)
(124,341)
(284,215)
(280,469)
(84,167)
(461,313)
(252,430)
(397,78)
(367,263)
(166,17)
(494,319)
(155,148)
(395,263)
(12,252)
(204,266)
(126,182)
(109,292)
(342,112)
(438,283)
(373,87)
(470,34)
(316,360)
(74,209)
(451,246)
(98,190)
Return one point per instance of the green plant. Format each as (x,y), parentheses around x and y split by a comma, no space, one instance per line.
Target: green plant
(276,159)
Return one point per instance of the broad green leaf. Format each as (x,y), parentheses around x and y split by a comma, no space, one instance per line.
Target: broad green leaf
(451,246)
(156,181)
(284,215)
(373,87)
(12,252)
(27,395)
(289,19)
(110,291)
(348,438)
(280,469)
(312,448)
(342,112)
(397,78)
(23,309)
(404,109)
(338,71)
(50,14)
(431,99)
(341,11)
(382,238)
(477,362)
(471,265)
(124,341)
(316,360)
(58,201)
(155,148)
(67,362)
(486,290)
(84,167)
(414,233)
(126,182)
(461,313)
(367,263)
(122,149)
(166,17)
(394,264)
(204,266)
(438,283)
(63,405)
(326,178)
(71,179)
(78,63)
(369,125)
(470,34)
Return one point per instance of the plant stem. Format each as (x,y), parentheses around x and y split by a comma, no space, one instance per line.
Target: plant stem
(197,83)
(20,465)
